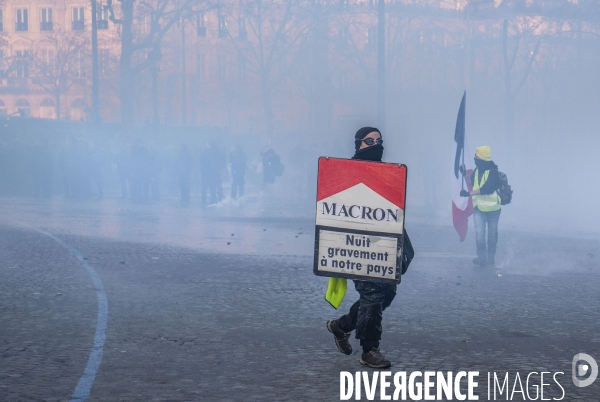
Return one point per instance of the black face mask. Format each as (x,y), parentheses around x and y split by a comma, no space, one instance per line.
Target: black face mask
(481,164)
(373,153)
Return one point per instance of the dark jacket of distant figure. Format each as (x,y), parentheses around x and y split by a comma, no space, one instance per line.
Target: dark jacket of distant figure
(493,181)
(272,166)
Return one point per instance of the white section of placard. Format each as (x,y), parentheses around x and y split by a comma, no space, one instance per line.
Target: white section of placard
(360,208)
(357,254)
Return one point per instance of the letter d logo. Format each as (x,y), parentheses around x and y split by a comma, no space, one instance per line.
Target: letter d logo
(581,369)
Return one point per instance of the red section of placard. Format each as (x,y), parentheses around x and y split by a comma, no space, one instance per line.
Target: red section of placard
(386,179)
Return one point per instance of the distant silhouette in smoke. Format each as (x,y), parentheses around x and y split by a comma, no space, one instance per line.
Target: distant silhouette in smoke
(237,163)
(183,168)
(212,162)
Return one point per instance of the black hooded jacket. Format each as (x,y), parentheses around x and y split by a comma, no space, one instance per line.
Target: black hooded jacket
(492,183)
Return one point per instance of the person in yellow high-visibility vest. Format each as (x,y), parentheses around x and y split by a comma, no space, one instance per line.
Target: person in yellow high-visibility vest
(486,203)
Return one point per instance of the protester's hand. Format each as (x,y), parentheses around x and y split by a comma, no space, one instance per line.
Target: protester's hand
(464,193)
(463,169)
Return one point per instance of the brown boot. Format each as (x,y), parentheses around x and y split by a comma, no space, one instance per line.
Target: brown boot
(340,337)
(375,359)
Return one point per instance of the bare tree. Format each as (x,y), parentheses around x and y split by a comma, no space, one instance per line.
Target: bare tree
(144,23)
(355,41)
(355,26)
(268,37)
(57,63)
(524,51)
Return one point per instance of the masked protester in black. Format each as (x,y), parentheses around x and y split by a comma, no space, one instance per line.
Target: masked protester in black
(366,313)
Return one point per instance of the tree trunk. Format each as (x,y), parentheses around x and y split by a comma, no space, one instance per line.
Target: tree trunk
(183,78)
(127,117)
(95,76)
(320,104)
(155,95)
(508,101)
(381,65)
(57,99)
(509,119)
(268,110)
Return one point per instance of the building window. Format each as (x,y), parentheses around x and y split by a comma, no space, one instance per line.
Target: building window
(47,109)
(78,23)
(79,64)
(102,17)
(46,19)
(103,62)
(201,66)
(1,21)
(145,24)
(22,24)
(2,64)
(3,112)
(22,63)
(47,61)
(222,27)
(47,102)
(201,25)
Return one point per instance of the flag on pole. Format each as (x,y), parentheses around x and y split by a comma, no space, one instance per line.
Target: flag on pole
(462,207)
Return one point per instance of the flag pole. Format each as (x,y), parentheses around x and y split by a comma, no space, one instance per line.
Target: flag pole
(462,182)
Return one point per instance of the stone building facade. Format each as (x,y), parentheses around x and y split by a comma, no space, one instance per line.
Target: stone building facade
(45,65)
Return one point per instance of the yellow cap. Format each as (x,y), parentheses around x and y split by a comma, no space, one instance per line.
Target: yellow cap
(483,153)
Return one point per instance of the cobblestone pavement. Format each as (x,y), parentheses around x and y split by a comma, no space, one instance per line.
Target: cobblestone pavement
(237,322)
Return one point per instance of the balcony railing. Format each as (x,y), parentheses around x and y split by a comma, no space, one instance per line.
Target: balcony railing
(46,26)
(77,25)
(22,27)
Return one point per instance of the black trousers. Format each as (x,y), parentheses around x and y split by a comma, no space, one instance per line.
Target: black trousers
(366,313)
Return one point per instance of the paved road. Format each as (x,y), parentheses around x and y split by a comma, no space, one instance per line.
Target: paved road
(218,322)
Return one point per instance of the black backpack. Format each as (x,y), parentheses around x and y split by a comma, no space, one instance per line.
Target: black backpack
(504,190)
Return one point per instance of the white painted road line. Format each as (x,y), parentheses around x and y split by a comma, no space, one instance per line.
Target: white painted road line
(84,386)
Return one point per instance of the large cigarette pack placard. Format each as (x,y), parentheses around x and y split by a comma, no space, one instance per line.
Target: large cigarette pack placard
(360,219)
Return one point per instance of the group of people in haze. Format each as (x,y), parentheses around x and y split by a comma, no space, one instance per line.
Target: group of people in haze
(82,169)
(211,163)
(138,168)
(365,315)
